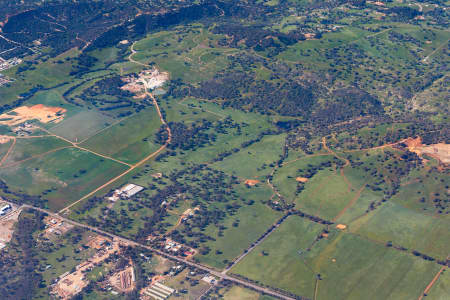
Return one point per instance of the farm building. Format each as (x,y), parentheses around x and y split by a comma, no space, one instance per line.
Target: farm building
(125,192)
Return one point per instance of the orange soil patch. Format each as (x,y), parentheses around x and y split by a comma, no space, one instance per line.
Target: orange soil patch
(341,226)
(301,179)
(71,285)
(251,182)
(439,151)
(40,112)
(97,242)
(413,143)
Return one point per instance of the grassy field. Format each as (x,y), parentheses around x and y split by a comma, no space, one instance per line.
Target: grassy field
(130,140)
(183,281)
(405,227)
(238,292)
(190,53)
(81,125)
(28,148)
(279,253)
(253,221)
(62,176)
(350,268)
(441,289)
(251,162)
(48,74)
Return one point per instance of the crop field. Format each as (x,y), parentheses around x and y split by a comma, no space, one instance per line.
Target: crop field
(130,140)
(252,161)
(405,227)
(282,253)
(350,268)
(81,125)
(27,148)
(237,292)
(62,176)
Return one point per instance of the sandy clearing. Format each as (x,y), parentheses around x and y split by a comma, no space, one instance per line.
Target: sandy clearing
(301,179)
(40,112)
(251,182)
(440,151)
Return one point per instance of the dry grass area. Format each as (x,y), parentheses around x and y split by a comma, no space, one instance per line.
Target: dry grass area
(40,112)
(341,226)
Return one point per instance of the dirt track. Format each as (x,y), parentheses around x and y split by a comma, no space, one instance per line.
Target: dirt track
(132,167)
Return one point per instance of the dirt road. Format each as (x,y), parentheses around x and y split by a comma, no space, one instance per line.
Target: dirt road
(132,167)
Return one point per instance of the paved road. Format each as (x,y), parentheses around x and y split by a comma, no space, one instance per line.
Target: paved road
(159,252)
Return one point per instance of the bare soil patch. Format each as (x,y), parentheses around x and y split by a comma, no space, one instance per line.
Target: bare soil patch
(440,151)
(301,179)
(123,281)
(251,182)
(40,112)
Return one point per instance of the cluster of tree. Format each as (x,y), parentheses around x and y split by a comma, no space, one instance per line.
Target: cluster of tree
(256,37)
(242,90)
(347,103)
(186,137)
(62,26)
(19,268)
(145,23)
(404,13)
(107,95)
